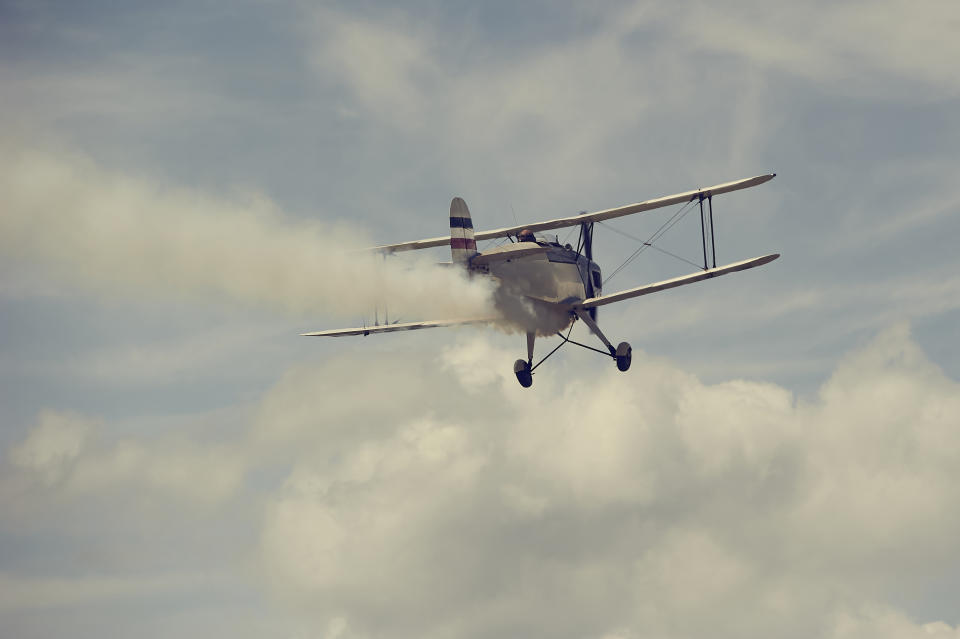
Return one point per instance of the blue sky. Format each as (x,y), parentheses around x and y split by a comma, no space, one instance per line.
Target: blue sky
(179,181)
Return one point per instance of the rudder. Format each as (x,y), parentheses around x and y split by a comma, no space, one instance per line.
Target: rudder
(462,244)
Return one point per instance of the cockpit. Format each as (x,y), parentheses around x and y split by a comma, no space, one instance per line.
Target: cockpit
(526,235)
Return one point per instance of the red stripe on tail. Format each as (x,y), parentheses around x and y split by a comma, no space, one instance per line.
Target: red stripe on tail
(463,243)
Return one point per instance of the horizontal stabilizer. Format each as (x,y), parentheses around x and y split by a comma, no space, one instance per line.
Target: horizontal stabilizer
(391,328)
(593,302)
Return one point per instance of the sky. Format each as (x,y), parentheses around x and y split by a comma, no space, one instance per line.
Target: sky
(182,186)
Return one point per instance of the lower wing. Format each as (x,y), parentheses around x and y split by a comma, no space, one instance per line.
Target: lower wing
(677,281)
(391,328)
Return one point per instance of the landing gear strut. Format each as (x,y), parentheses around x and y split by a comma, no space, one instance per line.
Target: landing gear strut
(622,354)
(524,369)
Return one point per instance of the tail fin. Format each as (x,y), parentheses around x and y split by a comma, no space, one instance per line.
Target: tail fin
(462,244)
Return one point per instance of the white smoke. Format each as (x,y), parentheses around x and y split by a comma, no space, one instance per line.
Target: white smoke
(71,219)
(520,314)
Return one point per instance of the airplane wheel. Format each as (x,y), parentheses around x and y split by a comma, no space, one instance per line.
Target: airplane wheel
(624,356)
(521,369)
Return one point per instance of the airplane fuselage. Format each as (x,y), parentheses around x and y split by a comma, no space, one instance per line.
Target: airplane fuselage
(536,288)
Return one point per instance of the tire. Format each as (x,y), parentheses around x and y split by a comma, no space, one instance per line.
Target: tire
(521,368)
(624,356)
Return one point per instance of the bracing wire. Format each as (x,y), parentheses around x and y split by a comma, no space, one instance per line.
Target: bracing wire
(654,247)
(666,226)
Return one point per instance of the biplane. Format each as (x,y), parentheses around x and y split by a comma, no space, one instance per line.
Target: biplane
(543,287)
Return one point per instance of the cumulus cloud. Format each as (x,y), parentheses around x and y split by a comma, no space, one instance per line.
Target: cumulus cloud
(114,233)
(878,622)
(69,454)
(433,497)
(624,505)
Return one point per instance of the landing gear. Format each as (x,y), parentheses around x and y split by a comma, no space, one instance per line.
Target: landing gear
(624,355)
(521,368)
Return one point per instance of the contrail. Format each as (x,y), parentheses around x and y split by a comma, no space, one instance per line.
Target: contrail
(117,234)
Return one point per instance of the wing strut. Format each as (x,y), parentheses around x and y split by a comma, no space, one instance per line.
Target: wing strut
(713,246)
(703,233)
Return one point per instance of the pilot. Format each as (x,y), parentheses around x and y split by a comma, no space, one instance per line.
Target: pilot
(526,235)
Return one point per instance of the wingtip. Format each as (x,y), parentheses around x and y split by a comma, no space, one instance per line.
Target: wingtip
(762,260)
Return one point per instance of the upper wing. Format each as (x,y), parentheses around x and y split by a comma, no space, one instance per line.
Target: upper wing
(390,328)
(678,281)
(597,216)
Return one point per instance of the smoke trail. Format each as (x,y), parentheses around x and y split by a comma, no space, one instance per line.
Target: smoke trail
(117,234)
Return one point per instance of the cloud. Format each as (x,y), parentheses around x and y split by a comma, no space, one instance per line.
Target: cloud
(53,445)
(645,503)
(71,456)
(538,112)
(113,233)
(877,622)
(384,66)
(434,497)
(852,46)
(415,495)
(565,108)
(154,361)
